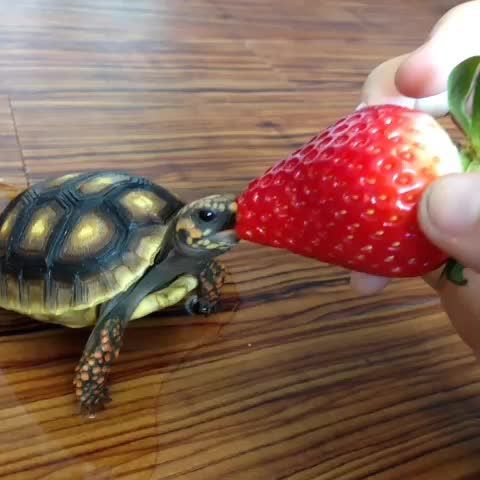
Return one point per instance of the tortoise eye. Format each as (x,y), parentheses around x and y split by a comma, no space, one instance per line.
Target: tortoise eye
(207,215)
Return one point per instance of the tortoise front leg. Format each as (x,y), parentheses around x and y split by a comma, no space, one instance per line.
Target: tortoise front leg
(91,373)
(104,343)
(166,297)
(212,279)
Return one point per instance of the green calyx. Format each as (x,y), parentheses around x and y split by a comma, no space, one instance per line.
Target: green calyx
(464,106)
(454,272)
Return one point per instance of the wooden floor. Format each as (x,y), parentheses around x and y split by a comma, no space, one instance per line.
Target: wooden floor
(298,378)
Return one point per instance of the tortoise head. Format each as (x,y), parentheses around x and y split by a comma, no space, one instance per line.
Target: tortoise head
(207,226)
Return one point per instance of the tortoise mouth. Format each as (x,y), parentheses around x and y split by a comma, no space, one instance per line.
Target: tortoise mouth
(227,236)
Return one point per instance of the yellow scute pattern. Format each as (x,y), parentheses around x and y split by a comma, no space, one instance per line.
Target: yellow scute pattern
(91,234)
(40,229)
(56,182)
(9,222)
(101,183)
(143,205)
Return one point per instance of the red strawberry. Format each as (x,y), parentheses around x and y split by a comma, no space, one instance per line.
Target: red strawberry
(349,196)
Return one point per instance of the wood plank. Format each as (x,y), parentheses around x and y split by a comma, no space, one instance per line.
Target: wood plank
(312,19)
(11,162)
(28,21)
(125,65)
(42,433)
(329,65)
(279,388)
(192,144)
(275,368)
(297,377)
(215,19)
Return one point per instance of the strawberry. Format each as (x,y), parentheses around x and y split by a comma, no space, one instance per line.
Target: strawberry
(349,196)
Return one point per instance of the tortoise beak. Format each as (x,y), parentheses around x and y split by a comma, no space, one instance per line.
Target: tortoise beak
(228,236)
(231,222)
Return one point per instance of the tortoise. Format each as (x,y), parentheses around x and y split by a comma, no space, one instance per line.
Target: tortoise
(102,248)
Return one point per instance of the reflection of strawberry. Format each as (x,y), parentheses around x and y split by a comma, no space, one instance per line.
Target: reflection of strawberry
(349,196)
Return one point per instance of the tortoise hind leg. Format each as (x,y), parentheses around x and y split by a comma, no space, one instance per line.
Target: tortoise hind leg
(91,373)
(212,279)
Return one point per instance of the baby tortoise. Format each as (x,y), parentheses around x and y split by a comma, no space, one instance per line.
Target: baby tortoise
(103,248)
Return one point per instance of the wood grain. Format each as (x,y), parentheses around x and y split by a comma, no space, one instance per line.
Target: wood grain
(297,377)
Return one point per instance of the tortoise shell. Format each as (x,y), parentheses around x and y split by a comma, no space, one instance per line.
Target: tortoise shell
(79,240)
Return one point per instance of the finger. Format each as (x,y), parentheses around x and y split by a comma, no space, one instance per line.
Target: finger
(454,38)
(462,305)
(449,215)
(434,278)
(380,88)
(365,284)
(436,105)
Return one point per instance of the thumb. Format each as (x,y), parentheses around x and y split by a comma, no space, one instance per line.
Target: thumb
(449,215)
(454,38)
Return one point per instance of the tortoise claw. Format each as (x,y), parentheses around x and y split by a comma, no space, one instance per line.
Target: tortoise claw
(207,308)
(90,406)
(191,305)
(199,306)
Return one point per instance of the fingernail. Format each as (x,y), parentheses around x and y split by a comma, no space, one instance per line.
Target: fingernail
(453,204)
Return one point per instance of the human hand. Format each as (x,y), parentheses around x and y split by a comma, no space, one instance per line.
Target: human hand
(449,212)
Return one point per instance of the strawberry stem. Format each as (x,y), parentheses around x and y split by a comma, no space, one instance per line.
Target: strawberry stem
(454,272)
